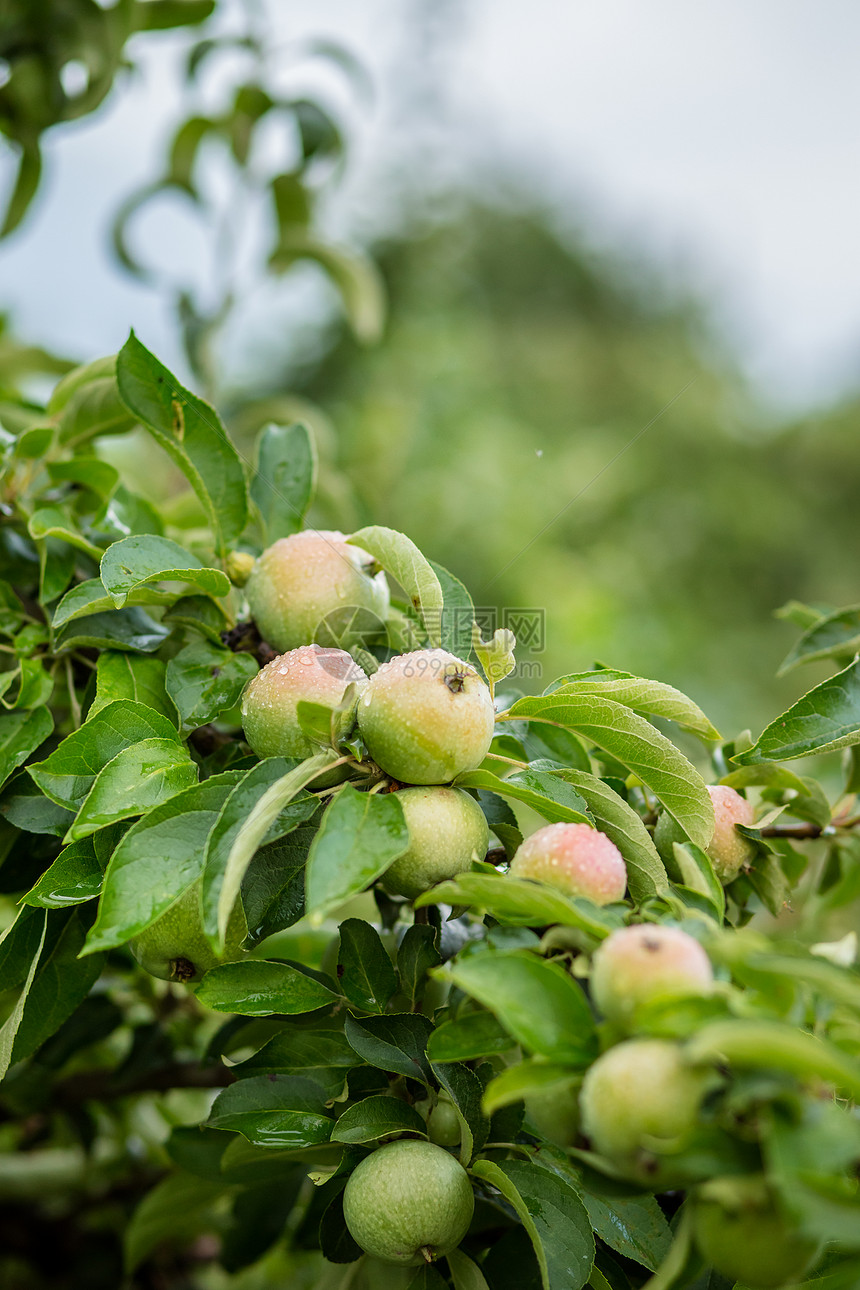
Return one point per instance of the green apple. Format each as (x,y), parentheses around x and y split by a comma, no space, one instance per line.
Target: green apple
(410,1202)
(554,1113)
(175,948)
(728,850)
(426,717)
(302,583)
(741,1232)
(447,830)
(269,703)
(575,859)
(443,1122)
(646,964)
(638,1098)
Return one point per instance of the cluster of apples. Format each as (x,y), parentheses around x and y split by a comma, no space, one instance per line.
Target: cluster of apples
(640,1103)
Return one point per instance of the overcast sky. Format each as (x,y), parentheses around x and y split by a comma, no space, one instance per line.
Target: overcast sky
(720,137)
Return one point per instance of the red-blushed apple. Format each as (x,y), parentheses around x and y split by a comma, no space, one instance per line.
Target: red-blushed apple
(301,582)
(269,702)
(575,859)
(646,964)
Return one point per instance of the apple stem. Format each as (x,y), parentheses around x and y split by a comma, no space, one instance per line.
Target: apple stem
(428,1253)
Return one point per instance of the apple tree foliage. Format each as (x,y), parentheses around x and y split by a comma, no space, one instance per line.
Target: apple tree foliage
(214,1125)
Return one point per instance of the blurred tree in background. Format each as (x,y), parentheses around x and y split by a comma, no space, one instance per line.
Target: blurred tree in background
(523,376)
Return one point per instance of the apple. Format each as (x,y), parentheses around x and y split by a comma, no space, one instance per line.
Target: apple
(410,1202)
(315,582)
(426,717)
(575,859)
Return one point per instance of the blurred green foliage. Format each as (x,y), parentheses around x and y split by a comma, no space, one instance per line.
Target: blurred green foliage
(539,418)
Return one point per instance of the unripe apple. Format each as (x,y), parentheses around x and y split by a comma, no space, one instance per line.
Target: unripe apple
(555,1114)
(426,717)
(443,1122)
(728,850)
(175,948)
(301,581)
(269,704)
(639,1096)
(409,1202)
(742,1234)
(646,964)
(574,858)
(447,830)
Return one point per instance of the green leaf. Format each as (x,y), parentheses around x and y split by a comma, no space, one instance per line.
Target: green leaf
(200,614)
(650,698)
(637,745)
(59,985)
(53,522)
(158,859)
(515,1083)
(541,1006)
(365,972)
(356,277)
(773,1045)
(395,1042)
(135,561)
(553,1215)
(477,1034)
(400,557)
(837,635)
(91,472)
(826,718)
(24,805)
(177,1209)
(74,877)
(133,782)
(273,1111)
(285,479)
(91,597)
(273,890)
(190,432)
(466,1092)
(323,1056)
(417,954)
(634,1226)
(21,733)
(86,403)
(540,790)
(119,629)
(68,774)
(521,901)
(9,1029)
(240,831)
(204,681)
(465,1274)
(646,874)
(130,676)
(458,614)
(360,836)
(254,988)
(375,1118)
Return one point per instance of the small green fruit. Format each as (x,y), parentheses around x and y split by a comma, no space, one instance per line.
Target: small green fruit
(443,1123)
(555,1114)
(574,858)
(175,948)
(315,582)
(646,964)
(269,704)
(426,717)
(728,850)
(742,1234)
(640,1097)
(409,1203)
(447,830)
